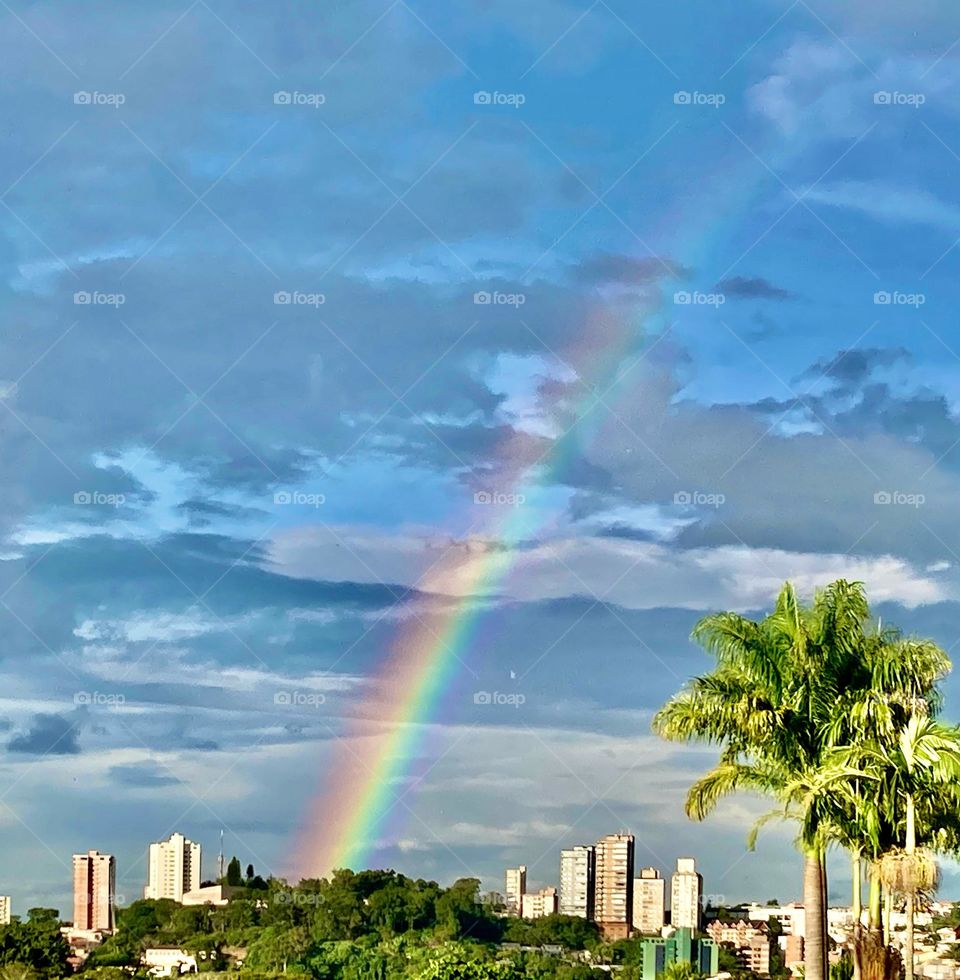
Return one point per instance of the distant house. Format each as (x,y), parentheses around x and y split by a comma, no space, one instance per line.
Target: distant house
(168,961)
(210,895)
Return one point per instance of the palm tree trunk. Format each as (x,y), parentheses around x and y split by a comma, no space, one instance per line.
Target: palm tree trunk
(887,914)
(857,869)
(826,906)
(814,941)
(874,916)
(911,849)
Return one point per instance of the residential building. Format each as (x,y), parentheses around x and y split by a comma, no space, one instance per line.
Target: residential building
(751,943)
(681,947)
(94,891)
(535,905)
(577,880)
(613,885)
(686,888)
(792,953)
(211,895)
(792,917)
(649,902)
(173,867)
(167,961)
(515,886)
(4,910)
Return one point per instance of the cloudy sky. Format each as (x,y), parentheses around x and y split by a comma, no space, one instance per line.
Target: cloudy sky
(649,306)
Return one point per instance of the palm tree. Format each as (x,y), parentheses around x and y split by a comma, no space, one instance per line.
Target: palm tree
(918,771)
(768,704)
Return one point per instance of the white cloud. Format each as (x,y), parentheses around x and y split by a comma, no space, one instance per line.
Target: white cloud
(633,574)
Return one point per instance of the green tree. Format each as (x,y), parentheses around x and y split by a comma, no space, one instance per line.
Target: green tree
(681,970)
(234,875)
(461,962)
(769,705)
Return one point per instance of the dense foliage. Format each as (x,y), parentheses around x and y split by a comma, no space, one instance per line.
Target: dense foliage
(371,925)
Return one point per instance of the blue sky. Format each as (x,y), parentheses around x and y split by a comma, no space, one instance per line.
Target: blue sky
(720,250)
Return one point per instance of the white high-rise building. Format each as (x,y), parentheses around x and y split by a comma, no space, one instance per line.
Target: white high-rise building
(173,867)
(4,910)
(649,902)
(685,895)
(94,889)
(515,885)
(577,867)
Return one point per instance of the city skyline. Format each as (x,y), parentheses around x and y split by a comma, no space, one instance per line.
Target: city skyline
(387,389)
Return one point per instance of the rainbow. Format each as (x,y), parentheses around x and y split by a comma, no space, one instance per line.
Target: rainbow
(373,758)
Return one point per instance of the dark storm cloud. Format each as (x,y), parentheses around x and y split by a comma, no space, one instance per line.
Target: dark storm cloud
(628,270)
(143,775)
(748,287)
(48,734)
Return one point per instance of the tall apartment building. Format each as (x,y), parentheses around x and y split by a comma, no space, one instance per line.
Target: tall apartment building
(94,891)
(577,868)
(4,910)
(685,892)
(515,886)
(173,867)
(536,905)
(613,887)
(649,902)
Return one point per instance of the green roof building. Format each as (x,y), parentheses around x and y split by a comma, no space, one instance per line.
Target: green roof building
(682,947)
